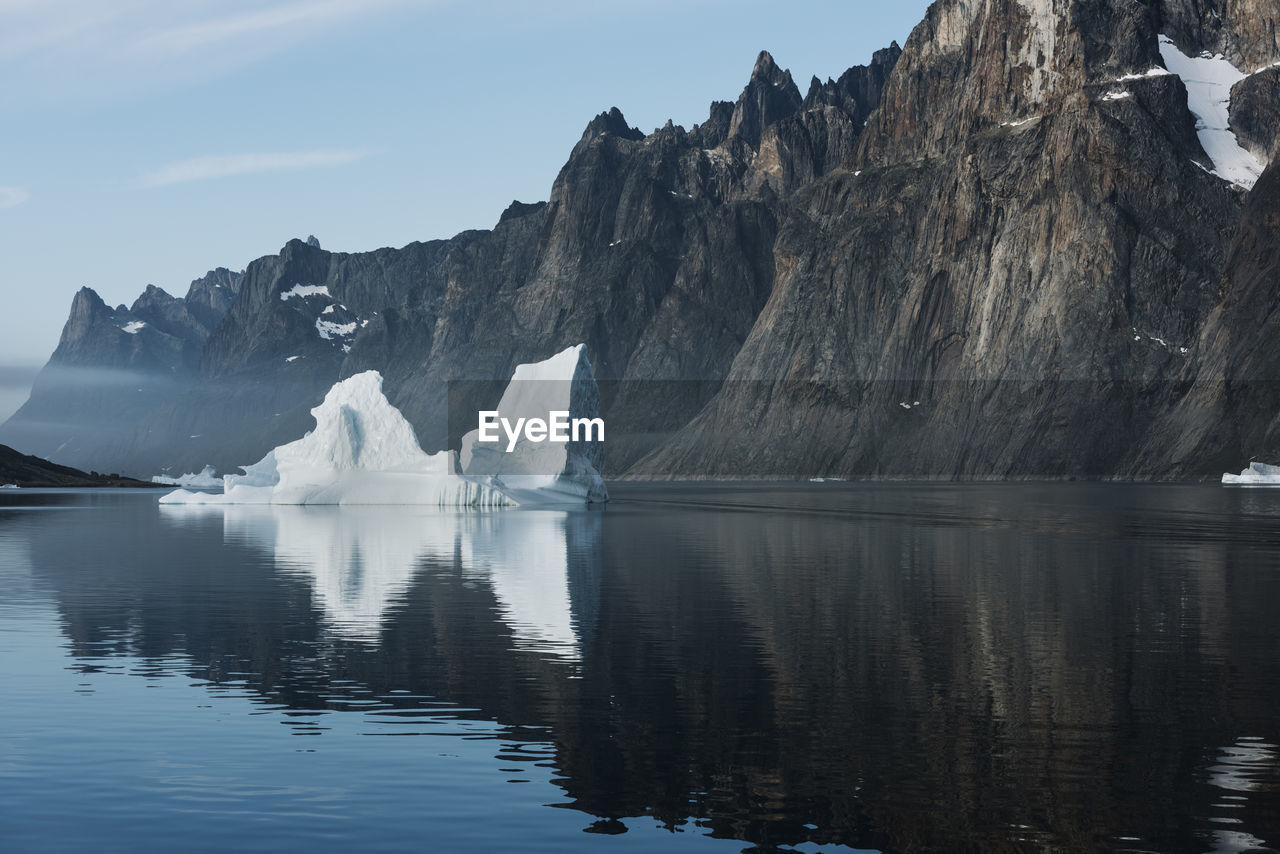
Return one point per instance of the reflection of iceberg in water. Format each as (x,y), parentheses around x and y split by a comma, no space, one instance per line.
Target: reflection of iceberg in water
(534,561)
(542,565)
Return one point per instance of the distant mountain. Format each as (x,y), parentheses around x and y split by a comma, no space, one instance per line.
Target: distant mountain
(18,469)
(1000,251)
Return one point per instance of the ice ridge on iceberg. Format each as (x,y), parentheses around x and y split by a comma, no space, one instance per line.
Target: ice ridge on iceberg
(364,451)
(1257,474)
(206,479)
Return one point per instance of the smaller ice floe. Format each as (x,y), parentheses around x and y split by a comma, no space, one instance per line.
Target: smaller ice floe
(329,330)
(304,291)
(827,480)
(206,479)
(1257,474)
(9,486)
(133,326)
(1117,95)
(290,358)
(1209,80)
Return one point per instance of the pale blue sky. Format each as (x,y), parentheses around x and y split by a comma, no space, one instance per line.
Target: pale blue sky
(146,141)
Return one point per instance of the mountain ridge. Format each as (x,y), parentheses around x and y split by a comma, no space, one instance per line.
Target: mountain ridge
(992,252)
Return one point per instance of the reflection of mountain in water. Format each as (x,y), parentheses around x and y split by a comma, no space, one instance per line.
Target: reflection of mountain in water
(361,561)
(906,668)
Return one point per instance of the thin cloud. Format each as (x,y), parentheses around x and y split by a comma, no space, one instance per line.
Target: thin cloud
(13,196)
(227,165)
(291,17)
(84,49)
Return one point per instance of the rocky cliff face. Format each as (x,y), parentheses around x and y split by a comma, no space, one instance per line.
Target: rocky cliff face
(997,251)
(1013,277)
(116,371)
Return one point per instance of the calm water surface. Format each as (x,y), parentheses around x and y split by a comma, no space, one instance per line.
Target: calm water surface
(696,668)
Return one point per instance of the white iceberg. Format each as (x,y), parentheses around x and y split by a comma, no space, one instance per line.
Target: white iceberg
(527,469)
(363,451)
(1257,474)
(206,479)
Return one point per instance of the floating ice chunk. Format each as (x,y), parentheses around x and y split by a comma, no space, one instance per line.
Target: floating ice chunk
(1257,474)
(133,326)
(1209,80)
(206,479)
(563,383)
(301,290)
(9,486)
(363,451)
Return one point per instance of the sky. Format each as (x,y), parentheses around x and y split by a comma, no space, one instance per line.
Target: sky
(147,142)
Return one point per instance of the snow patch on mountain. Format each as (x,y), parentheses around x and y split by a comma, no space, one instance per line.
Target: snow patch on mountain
(329,330)
(300,290)
(1209,80)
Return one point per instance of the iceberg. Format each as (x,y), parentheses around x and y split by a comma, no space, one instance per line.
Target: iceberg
(206,479)
(1257,474)
(363,451)
(530,470)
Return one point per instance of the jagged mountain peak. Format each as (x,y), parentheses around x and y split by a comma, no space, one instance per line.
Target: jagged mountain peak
(768,70)
(613,122)
(770,95)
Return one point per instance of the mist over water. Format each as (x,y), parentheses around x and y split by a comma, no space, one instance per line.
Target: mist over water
(888,667)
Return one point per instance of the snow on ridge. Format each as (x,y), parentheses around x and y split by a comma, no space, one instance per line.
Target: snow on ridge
(1154,71)
(133,326)
(301,290)
(329,330)
(1209,80)
(1117,95)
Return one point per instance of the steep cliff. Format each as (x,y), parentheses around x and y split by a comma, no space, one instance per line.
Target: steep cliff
(1012,277)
